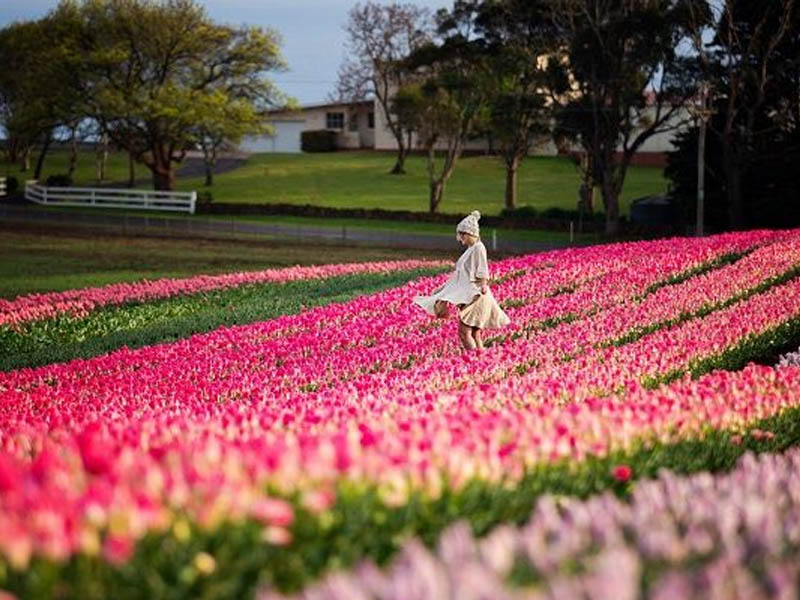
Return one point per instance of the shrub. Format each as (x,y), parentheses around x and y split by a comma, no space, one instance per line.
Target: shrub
(318,140)
(521,212)
(12,185)
(563,214)
(59,180)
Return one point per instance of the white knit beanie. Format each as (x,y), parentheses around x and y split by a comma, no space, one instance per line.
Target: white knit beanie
(469,224)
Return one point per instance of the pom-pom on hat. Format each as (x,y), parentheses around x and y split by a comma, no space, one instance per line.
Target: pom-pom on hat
(469,224)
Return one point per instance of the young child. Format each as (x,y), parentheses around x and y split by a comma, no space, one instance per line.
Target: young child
(468,289)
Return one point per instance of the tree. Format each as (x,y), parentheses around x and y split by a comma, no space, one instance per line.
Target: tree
(750,60)
(13,120)
(153,67)
(517,36)
(451,101)
(752,66)
(42,92)
(630,82)
(380,37)
(223,125)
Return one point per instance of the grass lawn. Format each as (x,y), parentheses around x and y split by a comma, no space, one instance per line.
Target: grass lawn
(361,180)
(57,162)
(37,262)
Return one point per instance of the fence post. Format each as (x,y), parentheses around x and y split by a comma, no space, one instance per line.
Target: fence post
(192,202)
(571,232)
(44,194)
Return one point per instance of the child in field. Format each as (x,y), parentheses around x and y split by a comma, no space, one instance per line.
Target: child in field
(468,289)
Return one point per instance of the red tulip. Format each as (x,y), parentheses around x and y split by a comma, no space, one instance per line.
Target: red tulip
(622,473)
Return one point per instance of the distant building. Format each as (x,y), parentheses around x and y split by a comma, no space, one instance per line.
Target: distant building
(354,123)
(362,126)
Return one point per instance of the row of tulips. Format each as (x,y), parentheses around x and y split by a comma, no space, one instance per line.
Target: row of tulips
(732,536)
(64,338)
(81,302)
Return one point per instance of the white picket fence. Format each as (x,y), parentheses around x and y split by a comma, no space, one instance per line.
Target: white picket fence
(111,198)
(2,186)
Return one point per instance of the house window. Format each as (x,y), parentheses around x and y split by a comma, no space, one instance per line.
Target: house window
(334,120)
(371,120)
(352,124)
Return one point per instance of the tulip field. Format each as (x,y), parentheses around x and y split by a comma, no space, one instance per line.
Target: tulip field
(630,434)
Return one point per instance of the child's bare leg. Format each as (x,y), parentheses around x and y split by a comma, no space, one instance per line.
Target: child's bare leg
(477,335)
(465,335)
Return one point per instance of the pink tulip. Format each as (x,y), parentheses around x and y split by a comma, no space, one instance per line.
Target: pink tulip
(622,473)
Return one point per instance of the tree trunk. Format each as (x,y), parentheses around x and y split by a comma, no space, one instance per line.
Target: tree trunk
(159,161)
(437,191)
(733,190)
(40,162)
(587,183)
(209,159)
(11,153)
(612,217)
(701,174)
(163,179)
(586,198)
(73,155)
(131,170)
(611,205)
(585,203)
(102,157)
(511,184)
(26,159)
(736,205)
(399,165)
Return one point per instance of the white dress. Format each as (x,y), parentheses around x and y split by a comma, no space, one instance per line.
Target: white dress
(475,309)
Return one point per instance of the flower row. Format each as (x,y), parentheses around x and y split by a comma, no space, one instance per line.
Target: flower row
(80,302)
(49,341)
(727,536)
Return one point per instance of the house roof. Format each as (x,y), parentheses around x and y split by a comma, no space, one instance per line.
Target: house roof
(323,105)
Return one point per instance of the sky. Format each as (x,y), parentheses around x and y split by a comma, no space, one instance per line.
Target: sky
(312,30)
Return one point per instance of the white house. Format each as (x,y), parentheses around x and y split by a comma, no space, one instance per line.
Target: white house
(362,125)
(354,123)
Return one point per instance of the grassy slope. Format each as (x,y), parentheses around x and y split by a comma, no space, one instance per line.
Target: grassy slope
(35,262)
(361,180)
